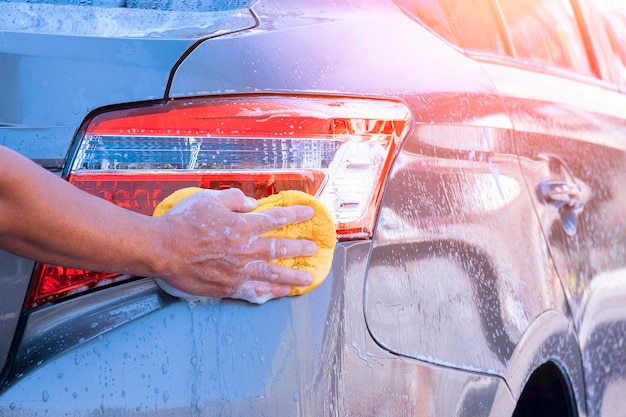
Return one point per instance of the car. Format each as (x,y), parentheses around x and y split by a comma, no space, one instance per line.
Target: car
(472,155)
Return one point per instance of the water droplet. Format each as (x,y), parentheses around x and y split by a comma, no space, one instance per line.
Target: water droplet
(295,396)
(166,396)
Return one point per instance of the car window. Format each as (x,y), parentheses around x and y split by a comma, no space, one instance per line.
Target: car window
(430,13)
(614,19)
(547,32)
(469,24)
(118,18)
(169,5)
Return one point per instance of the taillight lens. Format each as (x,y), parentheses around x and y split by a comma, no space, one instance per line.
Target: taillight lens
(339,150)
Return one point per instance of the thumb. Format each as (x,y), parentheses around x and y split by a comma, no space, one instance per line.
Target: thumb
(236,200)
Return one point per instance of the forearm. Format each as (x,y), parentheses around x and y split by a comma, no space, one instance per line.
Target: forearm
(209,246)
(44,218)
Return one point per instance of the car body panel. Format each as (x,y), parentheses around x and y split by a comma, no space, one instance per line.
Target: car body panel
(52,82)
(258,61)
(444,256)
(15,276)
(69,75)
(602,343)
(73,76)
(550,337)
(307,355)
(562,138)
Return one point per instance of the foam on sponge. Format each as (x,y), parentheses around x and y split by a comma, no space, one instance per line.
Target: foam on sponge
(320,229)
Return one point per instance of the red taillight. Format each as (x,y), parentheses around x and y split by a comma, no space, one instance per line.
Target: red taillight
(57,281)
(339,150)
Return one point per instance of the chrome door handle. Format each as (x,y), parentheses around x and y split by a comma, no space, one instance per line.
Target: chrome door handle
(564,196)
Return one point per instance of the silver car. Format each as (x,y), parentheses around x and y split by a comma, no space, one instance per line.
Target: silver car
(471,152)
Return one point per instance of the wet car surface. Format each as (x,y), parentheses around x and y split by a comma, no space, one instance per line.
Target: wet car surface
(484,276)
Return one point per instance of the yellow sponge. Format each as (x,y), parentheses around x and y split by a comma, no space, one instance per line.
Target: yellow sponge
(320,229)
(171,200)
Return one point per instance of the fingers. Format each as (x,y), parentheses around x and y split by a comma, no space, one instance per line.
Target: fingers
(259,292)
(278,217)
(269,249)
(267,281)
(254,292)
(277,275)
(231,261)
(235,200)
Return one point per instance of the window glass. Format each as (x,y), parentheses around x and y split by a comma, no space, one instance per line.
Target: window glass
(431,14)
(546,31)
(614,18)
(470,24)
(475,24)
(123,18)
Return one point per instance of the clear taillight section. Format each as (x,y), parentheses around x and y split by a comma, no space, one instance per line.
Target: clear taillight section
(339,150)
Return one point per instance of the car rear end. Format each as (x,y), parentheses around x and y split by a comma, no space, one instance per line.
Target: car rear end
(268,97)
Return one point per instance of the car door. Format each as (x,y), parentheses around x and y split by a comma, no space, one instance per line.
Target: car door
(457,229)
(570,130)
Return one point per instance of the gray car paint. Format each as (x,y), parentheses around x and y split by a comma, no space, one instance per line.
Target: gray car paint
(332,351)
(308,355)
(50,83)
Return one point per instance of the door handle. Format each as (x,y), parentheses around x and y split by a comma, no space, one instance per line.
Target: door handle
(564,196)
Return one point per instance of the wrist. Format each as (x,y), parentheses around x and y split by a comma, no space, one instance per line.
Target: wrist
(156,259)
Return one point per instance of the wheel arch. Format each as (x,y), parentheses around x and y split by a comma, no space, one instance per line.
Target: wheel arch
(548,350)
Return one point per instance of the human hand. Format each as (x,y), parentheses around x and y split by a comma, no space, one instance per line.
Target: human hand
(214,248)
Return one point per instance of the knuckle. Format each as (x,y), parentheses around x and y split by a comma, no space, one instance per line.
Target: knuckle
(281,249)
(272,273)
(277,216)
(257,269)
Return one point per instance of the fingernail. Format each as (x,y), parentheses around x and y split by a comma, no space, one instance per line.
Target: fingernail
(309,212)
(251,203)
(311,248)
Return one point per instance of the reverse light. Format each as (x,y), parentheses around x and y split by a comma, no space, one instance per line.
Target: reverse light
(338,150)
